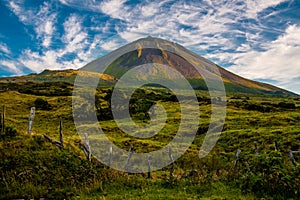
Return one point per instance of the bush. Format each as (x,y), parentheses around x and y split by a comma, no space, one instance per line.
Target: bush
(287,105)
(270,176)
(257,107)
(42,104)
(9,131)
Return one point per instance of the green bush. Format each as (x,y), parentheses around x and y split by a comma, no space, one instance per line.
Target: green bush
(287,105)
(270,176)
(9,131)
(257,107)
(42,104)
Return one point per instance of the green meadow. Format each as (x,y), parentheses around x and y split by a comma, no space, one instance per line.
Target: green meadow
(32,167)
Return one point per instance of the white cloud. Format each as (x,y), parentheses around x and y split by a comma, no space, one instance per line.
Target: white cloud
(191,23)
(279,61)
(75,40)
(115,8)
(75,37)
(11,66)
(18,11)
(44,24)
(47,60)
(130,36)
(72,27)
(110,45)
(171,22)
(4,48)
(149,10)
(188,23)
(41,19)
(46,41)
(256,6)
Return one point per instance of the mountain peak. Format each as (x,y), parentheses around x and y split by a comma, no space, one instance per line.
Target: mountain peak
(194,68)
(156,52)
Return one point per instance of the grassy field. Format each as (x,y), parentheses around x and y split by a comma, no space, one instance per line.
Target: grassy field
(31,167)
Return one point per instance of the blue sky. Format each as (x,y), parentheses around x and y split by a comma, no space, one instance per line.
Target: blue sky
(257,39)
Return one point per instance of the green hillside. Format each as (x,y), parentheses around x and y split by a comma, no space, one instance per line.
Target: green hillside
(256,157)
(31,167)
(196,69)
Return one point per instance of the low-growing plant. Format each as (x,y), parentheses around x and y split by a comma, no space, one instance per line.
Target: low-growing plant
(270,176)
(288,105)
(9,131)
(42,104)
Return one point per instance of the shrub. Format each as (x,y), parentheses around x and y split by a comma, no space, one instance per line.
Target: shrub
(253,106)
(287,105)
(235,97)
(270,176)
(42,104)
(257,107)
(9,131)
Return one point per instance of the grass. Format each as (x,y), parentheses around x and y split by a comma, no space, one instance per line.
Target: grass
(33,168)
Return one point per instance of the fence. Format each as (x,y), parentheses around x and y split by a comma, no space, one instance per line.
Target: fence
(88,153)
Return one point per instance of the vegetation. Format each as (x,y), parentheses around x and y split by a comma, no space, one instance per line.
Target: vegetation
(31,167)
(42,104)
(9,132)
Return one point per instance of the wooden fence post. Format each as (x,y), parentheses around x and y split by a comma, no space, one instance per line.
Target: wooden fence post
(61,139)
(256,149)
(149,166)
(171,161)
(296,152)
(59,143)
(292,157)
(110,155)
(129,157)
(276,145)
(3,121)
(88,148)
(236,159)
(30,120)
(54,142)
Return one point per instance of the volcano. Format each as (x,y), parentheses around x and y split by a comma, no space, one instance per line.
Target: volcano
(159,51)
(111,67)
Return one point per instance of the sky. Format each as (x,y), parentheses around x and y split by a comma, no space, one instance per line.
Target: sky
(256,39)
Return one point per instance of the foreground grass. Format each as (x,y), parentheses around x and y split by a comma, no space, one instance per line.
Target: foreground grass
(33,168)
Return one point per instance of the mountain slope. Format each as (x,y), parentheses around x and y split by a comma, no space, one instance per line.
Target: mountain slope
(166,53)
(67,76)
(160,52)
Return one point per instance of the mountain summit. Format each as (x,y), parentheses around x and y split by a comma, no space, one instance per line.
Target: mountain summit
(158,51)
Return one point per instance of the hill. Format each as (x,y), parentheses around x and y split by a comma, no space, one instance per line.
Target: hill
(155,51)
(67,76)
(192,66)
(32,168)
